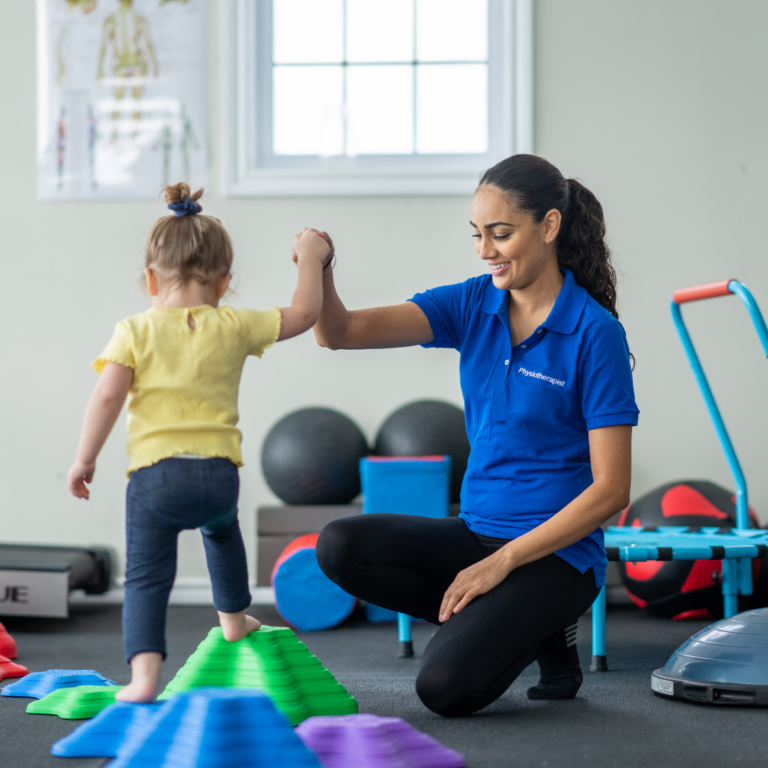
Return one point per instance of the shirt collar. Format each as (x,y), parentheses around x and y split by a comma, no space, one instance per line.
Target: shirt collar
(565,314)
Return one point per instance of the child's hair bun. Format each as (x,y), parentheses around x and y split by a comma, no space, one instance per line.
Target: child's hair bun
(175,193)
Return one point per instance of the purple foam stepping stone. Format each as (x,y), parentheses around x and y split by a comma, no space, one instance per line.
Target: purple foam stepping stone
(369,741)
(37,685)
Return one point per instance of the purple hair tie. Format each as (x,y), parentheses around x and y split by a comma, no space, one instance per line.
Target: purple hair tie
(185,206)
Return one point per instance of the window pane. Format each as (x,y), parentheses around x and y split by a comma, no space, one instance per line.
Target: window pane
(380,110)
(380,31)
(308,111)
(308,31)
(451,30)
(451,108)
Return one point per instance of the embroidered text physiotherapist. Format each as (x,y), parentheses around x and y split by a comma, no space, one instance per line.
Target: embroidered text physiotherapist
(549,403)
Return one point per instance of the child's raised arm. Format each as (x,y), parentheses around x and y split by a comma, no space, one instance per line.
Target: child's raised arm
(100,416)
(311,253)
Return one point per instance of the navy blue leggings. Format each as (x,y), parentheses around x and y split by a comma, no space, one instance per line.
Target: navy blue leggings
(172,496)
(405,563)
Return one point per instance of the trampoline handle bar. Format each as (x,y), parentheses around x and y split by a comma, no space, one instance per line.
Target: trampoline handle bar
(698,292)
(711,290)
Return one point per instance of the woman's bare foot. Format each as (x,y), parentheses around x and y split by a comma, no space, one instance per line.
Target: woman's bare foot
(237,625)
(145,674)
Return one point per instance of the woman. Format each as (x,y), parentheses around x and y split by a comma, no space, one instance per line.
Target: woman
(547,385)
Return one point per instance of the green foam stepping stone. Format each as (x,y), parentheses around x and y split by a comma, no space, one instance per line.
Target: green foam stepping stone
(78,703)
(272,660)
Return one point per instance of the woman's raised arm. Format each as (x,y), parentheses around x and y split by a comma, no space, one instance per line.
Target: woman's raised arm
(400,325)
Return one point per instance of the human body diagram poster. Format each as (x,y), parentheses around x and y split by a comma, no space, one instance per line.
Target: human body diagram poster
(121,97)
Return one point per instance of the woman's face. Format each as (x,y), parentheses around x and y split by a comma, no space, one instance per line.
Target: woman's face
(515,248)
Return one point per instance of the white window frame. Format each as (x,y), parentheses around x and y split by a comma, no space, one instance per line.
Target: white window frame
(510,121)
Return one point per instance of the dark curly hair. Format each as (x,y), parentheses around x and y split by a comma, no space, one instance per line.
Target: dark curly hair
(536,187)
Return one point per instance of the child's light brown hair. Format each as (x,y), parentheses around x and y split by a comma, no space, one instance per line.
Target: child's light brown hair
(190,247)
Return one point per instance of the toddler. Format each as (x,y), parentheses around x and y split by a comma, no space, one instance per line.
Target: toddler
(179,365)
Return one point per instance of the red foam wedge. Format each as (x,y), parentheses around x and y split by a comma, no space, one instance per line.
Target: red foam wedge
(10,669)
(7,644)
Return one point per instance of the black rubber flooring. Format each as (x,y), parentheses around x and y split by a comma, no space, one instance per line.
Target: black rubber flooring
(616,720)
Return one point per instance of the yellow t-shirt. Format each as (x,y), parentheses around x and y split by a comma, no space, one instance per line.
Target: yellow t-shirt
(183,399)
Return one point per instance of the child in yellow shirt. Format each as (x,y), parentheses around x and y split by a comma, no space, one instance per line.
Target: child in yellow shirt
(179,364)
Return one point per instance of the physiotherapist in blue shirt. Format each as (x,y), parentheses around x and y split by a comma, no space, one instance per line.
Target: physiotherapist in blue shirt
(549,402)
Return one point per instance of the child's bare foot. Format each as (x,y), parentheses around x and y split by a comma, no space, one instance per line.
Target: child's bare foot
(145,674)
(237,625)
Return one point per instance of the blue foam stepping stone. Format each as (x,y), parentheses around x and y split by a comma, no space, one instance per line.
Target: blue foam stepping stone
(39,684)
(217,728)
(106,733)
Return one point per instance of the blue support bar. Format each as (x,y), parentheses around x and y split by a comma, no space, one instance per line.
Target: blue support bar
(745,576)
(742,505)
(404,635)
(730,586)
(599,661)
(404,627)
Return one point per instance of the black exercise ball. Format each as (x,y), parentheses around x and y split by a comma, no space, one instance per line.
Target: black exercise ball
(312,456)
(427,428)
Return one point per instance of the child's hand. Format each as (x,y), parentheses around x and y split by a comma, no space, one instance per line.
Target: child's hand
(310,245)
(79,474)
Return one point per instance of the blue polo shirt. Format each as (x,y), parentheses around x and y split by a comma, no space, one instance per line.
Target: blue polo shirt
(529,408)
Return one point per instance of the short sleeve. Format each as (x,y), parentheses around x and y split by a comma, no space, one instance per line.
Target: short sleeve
(262,328)
(119,350)
(445,308)
(607,392)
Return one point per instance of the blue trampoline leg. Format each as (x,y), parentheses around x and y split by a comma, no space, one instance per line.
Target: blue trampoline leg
(599,660)
(404,635)
(730,587)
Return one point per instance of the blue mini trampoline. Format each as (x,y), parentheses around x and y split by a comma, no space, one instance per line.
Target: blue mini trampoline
(736,547)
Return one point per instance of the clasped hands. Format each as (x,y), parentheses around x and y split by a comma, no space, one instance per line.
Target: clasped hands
(476,580)
(324,235)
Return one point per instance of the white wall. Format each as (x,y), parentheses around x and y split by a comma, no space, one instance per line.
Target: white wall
(659,107)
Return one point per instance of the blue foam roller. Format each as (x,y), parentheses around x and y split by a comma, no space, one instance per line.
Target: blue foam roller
(36,685)
(217,728)
(105,734)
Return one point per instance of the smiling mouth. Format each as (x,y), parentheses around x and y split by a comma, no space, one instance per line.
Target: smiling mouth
(498,267)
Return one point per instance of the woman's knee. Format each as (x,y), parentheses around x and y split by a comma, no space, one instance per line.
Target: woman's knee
(335,547)
(443,691)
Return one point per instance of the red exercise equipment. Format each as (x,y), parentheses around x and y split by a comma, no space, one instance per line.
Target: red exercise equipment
(10,669)
(7,644)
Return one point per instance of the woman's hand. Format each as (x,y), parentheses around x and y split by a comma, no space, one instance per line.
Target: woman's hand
(79,474)
(476,580)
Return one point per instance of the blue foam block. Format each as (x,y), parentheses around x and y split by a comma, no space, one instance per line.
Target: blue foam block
(105,734)
(36,685)
(306,597)
(406,487)
(217,728)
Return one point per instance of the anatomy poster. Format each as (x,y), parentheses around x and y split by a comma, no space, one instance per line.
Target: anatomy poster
(121,97)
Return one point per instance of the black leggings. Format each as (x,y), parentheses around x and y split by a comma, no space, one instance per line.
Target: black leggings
(405,563)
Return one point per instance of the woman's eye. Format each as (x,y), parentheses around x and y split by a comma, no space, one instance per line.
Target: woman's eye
(476,235)
(500,237)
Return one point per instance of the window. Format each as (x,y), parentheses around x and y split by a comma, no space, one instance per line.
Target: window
(335,97)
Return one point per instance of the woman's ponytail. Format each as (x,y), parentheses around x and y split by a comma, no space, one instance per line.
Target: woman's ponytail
(581,246)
